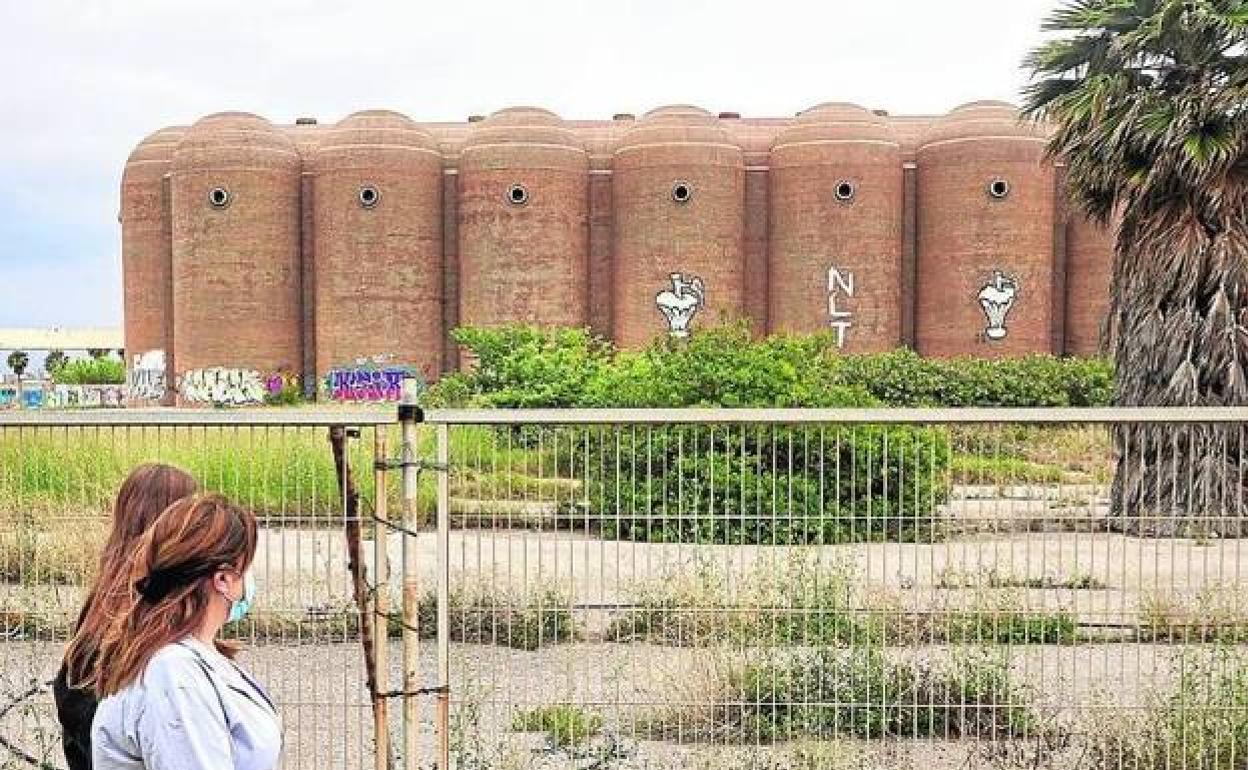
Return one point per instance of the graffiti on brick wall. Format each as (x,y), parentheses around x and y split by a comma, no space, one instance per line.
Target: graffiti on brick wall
(367,381)
(681,303)
(223,386)
(146,380)
(84,397)
(996,299)
(840,289)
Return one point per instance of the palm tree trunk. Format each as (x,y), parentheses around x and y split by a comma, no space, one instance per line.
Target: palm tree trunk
(1180,331)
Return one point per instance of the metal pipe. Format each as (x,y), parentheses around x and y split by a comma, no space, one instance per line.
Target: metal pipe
(124,418)
(924,416)
(409,416)
(381,601)
(444,586)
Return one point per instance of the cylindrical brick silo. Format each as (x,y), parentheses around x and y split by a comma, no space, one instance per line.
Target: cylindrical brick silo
(236,259)
(146,259)
(984,273)
(377,195)
(835,225)
(678,187)
(523,222)
(1089,265)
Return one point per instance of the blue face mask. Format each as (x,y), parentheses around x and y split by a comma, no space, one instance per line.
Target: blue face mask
(240,607)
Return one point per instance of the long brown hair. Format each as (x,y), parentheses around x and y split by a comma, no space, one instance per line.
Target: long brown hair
(146,492)
(171,583)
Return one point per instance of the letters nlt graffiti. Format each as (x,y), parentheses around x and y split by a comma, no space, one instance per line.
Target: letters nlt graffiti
(997,298)
(840,285)
(681,303)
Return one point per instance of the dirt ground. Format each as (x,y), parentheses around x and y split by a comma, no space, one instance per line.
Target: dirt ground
(327,722)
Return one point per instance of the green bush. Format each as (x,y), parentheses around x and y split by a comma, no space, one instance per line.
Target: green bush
(860,693)
(904,379)
(91,371)
(566,725)
(520,366)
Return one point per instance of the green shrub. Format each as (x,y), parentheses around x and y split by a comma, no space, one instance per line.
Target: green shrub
(769,485)
(861,693)
(91,371)
(566,725)
(520,366)
(902,378)
(1200,722)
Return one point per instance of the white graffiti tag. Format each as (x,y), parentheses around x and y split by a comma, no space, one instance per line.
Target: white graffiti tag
(681,303)
(147,376)
(997,298)
(222,386)
(840,285)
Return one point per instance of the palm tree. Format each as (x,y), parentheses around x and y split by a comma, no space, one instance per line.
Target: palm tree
(55,360)
(1149,102)
(18,361)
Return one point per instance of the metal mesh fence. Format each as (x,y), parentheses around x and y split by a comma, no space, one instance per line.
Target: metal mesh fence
(702,589)
(58,478)
(794,590)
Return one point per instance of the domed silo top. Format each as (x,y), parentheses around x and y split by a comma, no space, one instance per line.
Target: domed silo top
(983,120)
(677,135)
(522,137)
(356,140)
(827,126)
(235,140)
(158,146)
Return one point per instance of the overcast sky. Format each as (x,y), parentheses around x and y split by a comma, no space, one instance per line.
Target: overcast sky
(81,81)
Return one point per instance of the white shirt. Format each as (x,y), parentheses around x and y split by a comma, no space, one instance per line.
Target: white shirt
(190,709)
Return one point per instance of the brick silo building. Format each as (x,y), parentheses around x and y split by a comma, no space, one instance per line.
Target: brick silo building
(377,192)
(836,228)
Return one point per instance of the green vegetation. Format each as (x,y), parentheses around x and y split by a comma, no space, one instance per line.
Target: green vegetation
(798,601)
(90,371)
(523,367)
(565,725)
(1200,722)
(859,693)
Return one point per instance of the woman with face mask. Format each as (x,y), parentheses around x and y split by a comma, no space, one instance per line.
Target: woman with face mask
(171,694)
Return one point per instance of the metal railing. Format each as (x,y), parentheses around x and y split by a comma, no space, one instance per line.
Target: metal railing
(689,588)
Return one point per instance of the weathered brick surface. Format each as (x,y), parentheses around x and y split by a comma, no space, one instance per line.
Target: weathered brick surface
(145,245)
(379,268)
(965,235)
(1089,262)
(297,277)
(523,262)
(236,270)
(813,233)
(655,236)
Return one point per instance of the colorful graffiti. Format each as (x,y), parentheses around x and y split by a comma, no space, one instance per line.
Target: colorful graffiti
(366,382)
(82,397)
(223,386)
(840,286)
(146,380)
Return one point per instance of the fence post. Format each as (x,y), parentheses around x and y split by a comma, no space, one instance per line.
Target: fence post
(444,586)
(381,600)
(409,417)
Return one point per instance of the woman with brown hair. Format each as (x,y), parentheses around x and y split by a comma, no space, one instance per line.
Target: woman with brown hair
(147,491)
(172,697)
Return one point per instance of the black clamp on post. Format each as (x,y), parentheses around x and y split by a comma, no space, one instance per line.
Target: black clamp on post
(411,413)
